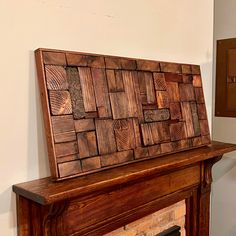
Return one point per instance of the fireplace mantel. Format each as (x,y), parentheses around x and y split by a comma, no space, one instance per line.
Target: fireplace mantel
(101,202)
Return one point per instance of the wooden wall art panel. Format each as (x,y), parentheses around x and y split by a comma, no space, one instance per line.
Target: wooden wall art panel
(105,111)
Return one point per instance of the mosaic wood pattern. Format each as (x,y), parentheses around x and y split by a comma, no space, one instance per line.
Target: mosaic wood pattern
(105,111)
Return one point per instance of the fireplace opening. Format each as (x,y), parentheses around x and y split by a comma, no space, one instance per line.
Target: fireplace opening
(173,231)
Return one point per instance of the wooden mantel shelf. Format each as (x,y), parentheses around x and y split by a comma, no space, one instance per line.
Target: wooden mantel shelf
(103,201)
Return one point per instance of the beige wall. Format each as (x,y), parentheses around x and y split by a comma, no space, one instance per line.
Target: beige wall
(177,30)
(224,129)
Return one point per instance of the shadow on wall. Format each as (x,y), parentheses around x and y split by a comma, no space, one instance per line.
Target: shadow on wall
(38,165)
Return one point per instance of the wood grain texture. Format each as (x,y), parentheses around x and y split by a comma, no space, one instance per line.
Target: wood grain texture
(98,105)
(56,77)
(60,102)
(87,89)
(69,168)
(101,92)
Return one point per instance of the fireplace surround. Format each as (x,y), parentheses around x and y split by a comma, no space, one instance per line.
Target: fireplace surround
(102,202)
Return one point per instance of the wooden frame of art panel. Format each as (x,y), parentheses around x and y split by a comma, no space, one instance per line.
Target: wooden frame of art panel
(105,111)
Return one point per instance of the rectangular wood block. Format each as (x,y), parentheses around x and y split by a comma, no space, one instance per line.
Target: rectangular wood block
(154,150)
(159,81)
(163,130)
(195,69)
(115,81)
(54,58)
(69,168)
(87,89)
(91,163)
(148,65)
(63,128)
(177,131)
(95,61)
(147,135)
(197,141)
(75,59)
(75,92)
(84,125)
(124,134)
(196,125)
(187,117)
(56,77)
(166,147)
(187,79)
(204,127)
(137,137)
(117,158)
(173,77)
(206,139)
(202,114)
(186,92)
(101,92)
(175,111)
(105,136)
(87,144)
(197,81)
(181,144)
(162,99)
(128,64)
(72,157)
(141,152)
(119,105)
(156,115)
(113,63)
(66,149)
(186,69)
(60,102)
(170,67)
(173,91)
(199,95)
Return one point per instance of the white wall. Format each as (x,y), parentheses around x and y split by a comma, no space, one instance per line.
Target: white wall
(224,129)
(177,30)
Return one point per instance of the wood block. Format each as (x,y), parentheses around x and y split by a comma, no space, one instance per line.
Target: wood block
(202,114)
(119,105)
(187,79)
(186,69)
(150,107)
(128,79)
(162,99)
(173,91)
(124,134)
(147,135)
(63,128)
(206,139)
(74,59)
(68,158)
(199,95)
(170,67)
(204,127)
(175,111)
(56,77)
(141,152)
(75,92)
(137,137)
(163,130)
(196,125)
(113,62)
(95,61)
(154,150)
(84,125)
(166,147)
(155,132)
(91,115)
(197,141)
(197,81)
(91,163)
(159,81)
(181,144)
(156,115)
(172,77)
(101,92)
(60,102)
(186,92)
(177,131)
(195,69)
(115,81)
(66,149)
(87,89)
(187,117)
(69,168)
(87,144)
(128,64)
(117,158)
(148,65)
(54,58)
(105,136)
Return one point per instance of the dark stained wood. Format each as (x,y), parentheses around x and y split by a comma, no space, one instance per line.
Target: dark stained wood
(170,67)
(75,92)
(84,125)
(156,115)
(104,128)
(177,131)
(137,136)
(54,58)
(69,168)
(186,92)
(60,102)
(68,158)
(95,61)
(196,125)
(141,152)
(195,69)
(65,149)
(91,163)
(186,69)
(202,111)
(159,81)
(173,77)
(154,150)
(175,111)
(115,81)
(128,64)
(87,89)
(113,62)
(76,59)
(199,95)
(197,141)
(56,77)
(204,127)
(148,65)
(87,144)
(124,134)
(188,79)
(63,128)
(187,117)
(173,91)
(101,92)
